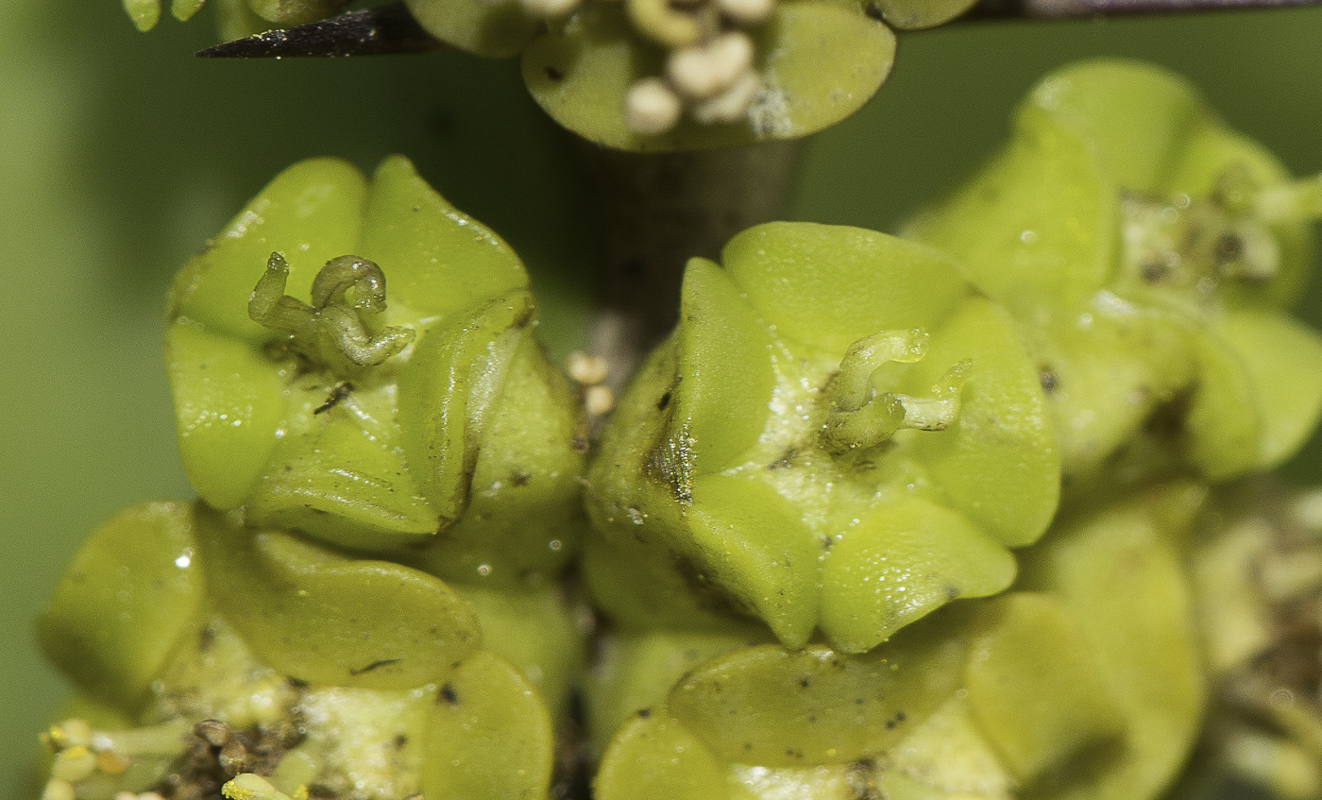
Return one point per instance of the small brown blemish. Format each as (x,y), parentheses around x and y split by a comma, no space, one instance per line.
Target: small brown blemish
(663,402)
(447,694)
(554,74)
(786,460)
(644,713)
(1049,380)
(385,662)
(1154,271)
(400,742)
(1229,247)
(518,478)
(337,395)
(213,732)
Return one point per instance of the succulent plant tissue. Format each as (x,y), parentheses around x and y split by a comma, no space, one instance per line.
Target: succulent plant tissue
(979,511)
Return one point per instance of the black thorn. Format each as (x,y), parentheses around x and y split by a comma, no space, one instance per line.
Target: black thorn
(381,30)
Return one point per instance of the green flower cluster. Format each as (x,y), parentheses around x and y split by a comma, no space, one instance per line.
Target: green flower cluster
(368,601)
(1023,407)
(654,75)
(849,431)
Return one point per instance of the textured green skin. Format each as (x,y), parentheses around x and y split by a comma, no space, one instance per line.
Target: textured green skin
(111,630)
(710,493)
(420,434)
(1122,348)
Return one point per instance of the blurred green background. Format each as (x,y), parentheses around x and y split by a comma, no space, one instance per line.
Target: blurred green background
(120,154)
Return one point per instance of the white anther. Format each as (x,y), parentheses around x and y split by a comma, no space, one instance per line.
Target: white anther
(746,12)
(651,107)
(700,71)
(598,400)
(586,369)
(549,9)
(730,105)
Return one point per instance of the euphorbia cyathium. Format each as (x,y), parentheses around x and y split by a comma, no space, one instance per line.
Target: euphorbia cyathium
(407,404)
(846,432)
(841,434)
(1148,253)
(1084,682)
(184,630)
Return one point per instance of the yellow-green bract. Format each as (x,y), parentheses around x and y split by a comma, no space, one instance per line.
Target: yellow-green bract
(363,677)
(1147,252)
(467,431)
(1085,682)
(841,434)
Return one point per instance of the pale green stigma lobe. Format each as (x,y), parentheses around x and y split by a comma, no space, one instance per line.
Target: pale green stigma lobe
(861,418)
(346,293)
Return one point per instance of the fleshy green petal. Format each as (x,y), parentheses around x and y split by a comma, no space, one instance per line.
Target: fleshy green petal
(144,13)
(724,356)
(902,561)
(130,592)
(536,632)
(1035,687)
(490,737)
(829,285)
(524,518)
(442,262)
(324,618)
(183,10)
(455,372)
(228,403)
(1225,424)
(1136,116)
(654,757)
(1034,229)
(907,15)
(312,212)
(765,705)
(286,13)
(754,545)
(1121,575)
(997,463)
(340,474)
(636,671)
(1284,363)
(495,30)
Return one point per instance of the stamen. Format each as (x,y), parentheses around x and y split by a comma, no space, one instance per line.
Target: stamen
(732,104)
(651,107)
(702,71)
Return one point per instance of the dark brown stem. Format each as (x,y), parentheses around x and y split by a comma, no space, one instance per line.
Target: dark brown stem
(659,210)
